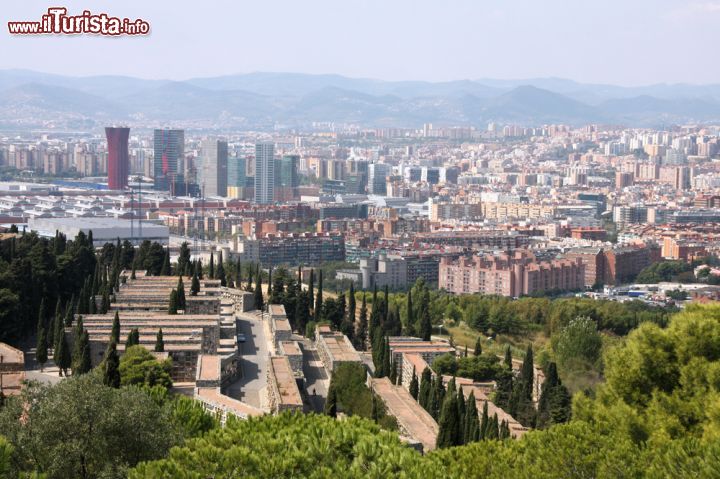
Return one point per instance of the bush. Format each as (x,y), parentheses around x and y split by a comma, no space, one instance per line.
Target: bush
(139,367)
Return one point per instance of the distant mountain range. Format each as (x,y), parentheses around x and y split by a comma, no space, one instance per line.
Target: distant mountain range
(292,99)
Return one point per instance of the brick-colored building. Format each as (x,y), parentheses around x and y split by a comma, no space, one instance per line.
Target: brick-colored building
(515,274)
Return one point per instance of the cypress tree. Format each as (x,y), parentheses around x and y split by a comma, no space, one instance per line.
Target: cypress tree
(92,306)
(115,333)
(410,319)
(159,342)
(319,296)
(414,387)
(181,301)
(425,325)
(311,288)
(41,349)
(375,409)
(63,355)
(508,358)
(492,432)
(53,326)
(438,396)
(132,274)
(478,348)
(165,270)
(199,269)
(527,373)
(449,423)
(58,326)
(269,286)
(302,311)
(195,286)
(471,428)
(173,305)
(504,432)
(211,272)
(259,302)
(238,275)
(82,363)
(425,388)
(111,369)
(461,415)
(362,325)
(249,286)
(69,312)
(392,372)
(351,304)
(484,422)
(331,403)
(133,338)
(220,273)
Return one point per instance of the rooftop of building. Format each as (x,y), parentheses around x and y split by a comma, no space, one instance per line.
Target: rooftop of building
(285,381)
(339,347)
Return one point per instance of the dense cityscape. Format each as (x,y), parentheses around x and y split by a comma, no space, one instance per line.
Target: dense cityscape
(366,239)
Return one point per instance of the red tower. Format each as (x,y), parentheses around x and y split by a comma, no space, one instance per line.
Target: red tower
(118,157)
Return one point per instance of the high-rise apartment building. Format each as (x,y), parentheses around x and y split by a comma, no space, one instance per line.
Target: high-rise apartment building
(118,157)
(377,173)
(169,148)
(212,171)
(264,173)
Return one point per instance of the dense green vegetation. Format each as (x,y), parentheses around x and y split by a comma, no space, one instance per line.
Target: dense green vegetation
(656,416)
(82,428)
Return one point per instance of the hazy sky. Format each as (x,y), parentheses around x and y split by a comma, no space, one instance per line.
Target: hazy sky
(627,42)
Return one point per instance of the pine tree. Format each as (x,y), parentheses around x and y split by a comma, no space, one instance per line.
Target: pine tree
(220,273)
(115,333)
(41,350)
(414,388)
(63,355)
(478,348)
(331,403)
(181,301)
(195,286)
(449,423)
(159,342)
(259,303)
(425,386)
(111,369)
(319,296)
(173,306)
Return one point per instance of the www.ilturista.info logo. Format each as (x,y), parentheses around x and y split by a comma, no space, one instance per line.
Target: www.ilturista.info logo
(58,22)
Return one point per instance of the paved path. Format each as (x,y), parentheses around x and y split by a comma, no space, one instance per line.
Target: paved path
(317,379)
(252,386)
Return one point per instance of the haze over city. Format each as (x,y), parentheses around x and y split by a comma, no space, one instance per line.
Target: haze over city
(616,42)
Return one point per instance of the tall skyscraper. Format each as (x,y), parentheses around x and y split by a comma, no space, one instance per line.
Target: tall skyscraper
(118,157)
(212,171)
(264,173)
(377,174)
(287,174)
(237,171)
(169,147)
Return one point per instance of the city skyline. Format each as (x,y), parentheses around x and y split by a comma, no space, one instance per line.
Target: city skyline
(629,44)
